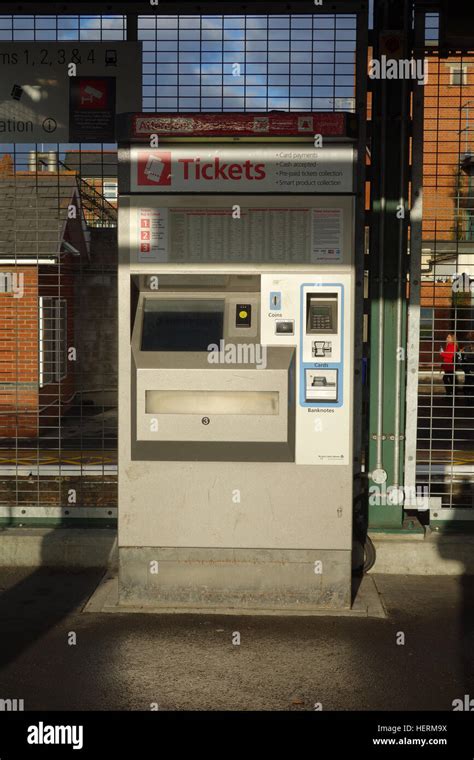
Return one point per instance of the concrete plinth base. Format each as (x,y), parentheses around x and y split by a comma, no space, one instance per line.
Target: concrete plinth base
(263,579)
(431,553)
(367,603)
(58,547)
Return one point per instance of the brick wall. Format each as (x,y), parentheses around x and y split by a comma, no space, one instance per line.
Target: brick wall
(26,410)
(439,297)
(444,142)
(19,356)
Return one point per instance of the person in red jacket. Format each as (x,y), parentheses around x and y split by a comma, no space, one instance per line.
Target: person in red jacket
(448,355)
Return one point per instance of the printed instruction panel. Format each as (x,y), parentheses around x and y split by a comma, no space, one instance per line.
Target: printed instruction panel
(237,234)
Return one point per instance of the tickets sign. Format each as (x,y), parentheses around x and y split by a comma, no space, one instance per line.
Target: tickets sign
(234,169)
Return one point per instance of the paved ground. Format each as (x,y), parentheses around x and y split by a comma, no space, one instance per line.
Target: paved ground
(189,662)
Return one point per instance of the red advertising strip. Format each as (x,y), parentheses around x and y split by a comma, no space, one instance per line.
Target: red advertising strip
(297,124)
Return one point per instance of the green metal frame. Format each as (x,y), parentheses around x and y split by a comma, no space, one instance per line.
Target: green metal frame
(388,266)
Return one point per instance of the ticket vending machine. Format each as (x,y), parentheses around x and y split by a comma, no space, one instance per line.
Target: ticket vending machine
(236,295)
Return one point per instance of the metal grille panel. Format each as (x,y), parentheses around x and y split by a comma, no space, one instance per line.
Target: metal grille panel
(445,429)
(58,419)
(217,63)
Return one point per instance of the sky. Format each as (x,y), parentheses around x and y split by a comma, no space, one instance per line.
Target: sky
(191,63)
(285,62)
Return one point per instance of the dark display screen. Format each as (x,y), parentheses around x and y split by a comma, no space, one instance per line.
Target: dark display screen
(181,326)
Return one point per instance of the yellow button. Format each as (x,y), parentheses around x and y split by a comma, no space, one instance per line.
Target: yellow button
(242,314)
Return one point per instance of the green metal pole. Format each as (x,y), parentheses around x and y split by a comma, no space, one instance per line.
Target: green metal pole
(388,266)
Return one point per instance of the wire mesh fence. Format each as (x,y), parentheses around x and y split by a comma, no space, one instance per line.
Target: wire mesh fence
(58,377)
(445,441)
(58,254)
(222,63)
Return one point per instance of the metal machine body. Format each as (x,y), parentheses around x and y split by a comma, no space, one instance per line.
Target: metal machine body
(235,372)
